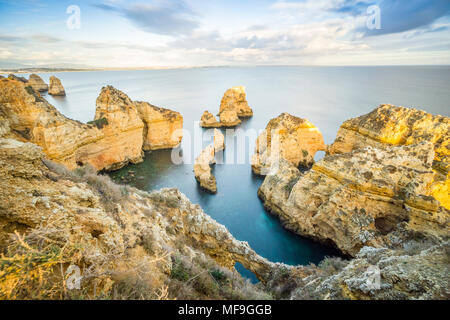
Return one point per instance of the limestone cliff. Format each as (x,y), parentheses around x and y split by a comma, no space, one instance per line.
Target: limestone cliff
(163,127)
(369,197)
(115,138)
(294,139)
(56,88)
(202,169)
(110,232)
(112,141)
(389,125)
(37,83)
(236,99)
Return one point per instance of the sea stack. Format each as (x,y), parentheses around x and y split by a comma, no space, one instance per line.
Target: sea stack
(55,87)
(389,125)
(37,83)
(232,107)
(294,139)
(208,120)
(219,141)
(202,169)
(368,197)
(236,99)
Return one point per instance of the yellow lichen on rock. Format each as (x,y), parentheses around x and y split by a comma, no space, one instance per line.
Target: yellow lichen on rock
(389,125)
(359,198)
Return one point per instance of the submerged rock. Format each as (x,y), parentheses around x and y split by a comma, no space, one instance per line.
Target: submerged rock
(55,87)
(389,125)
(369,197)
(37,83)
(208,120)
(163,127)
(294,139)
(202,169)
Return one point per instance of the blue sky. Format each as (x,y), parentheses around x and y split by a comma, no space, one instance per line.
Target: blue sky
(158,33)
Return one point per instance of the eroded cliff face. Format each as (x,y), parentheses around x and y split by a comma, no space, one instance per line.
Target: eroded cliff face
(236,99)
(163,127)
(112,141)
(389,125)
(108,231)
(294,139)
(55,87)
(368,197)
(115,138)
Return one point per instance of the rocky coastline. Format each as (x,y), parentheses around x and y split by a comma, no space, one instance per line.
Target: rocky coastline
(380,195)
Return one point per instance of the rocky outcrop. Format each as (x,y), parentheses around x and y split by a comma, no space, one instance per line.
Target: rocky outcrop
(14,77)
(108,231)
(229,118)
(294,139)
(37,83)
(202,169)
(110,142)
(389,125)
(417,271)
(208,120)
(369,197)
(236,99)
(55,87)
(163,127)
(219,141)
(232,107)
(115,138)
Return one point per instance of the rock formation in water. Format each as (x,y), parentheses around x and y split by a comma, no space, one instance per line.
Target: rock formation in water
(202,169)
(37,83)
(236,99)
(14,77)
(233,106)
(294,139)
(163,127)
(208,120)
(112,140)
(389,125)
(219,141)
(55,87)
(368,197)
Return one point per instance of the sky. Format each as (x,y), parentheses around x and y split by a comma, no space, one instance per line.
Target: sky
(177,33)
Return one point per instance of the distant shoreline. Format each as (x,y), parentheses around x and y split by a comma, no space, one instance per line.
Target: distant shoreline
(52,70)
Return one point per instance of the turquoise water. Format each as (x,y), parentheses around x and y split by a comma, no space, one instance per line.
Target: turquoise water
(326,96)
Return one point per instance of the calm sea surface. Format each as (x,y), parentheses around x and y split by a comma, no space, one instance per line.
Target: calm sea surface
(326,96)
